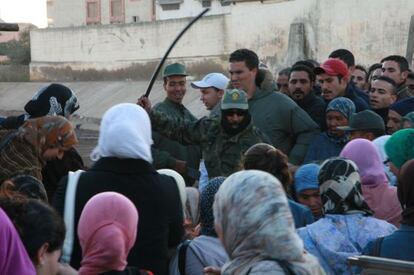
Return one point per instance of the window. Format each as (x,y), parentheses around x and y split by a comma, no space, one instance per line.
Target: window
(170,4)
(206,3)
(93,12)
(135,18)
(117,11)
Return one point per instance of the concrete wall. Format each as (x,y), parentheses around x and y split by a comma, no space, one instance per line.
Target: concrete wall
(370,29)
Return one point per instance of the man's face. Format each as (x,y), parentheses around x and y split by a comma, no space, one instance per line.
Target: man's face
(358,77)
(312,199)
(234,117)
(282,83)
(331,86)
(394,122)
(299,85)
(381,94)
(240,76)
(175,88)
(211,97)
(392,70)
(410,85)
(335,119)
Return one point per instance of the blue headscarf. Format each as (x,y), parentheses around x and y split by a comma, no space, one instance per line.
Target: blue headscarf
(306,177)
(206,206)
(343,105)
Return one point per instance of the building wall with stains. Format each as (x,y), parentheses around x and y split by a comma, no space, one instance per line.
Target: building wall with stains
(371,29)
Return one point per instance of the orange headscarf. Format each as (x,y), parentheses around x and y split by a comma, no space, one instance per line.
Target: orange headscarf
(49,132)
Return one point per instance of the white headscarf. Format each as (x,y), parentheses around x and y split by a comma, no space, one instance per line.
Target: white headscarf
(125,132)
(180,184)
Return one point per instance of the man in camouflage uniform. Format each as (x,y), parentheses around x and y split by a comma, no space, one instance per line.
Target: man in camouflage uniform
(223,140)
(175,154)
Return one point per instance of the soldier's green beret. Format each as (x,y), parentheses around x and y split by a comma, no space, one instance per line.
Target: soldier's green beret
(174,69)
(234,99)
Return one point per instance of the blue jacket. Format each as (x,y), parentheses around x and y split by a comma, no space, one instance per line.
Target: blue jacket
(360,99)
(301,214)
(323,147)
(398,245)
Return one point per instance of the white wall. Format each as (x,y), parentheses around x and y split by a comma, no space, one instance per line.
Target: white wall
(190,8)
(371,29)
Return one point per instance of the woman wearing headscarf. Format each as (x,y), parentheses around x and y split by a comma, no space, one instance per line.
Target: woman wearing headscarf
(206,249)
(380,196)
(107,231)
(265,157)
(51,100)
(400,148)
(26,150)
(380,146)
(347,225)
(399,245)
(255,226)
(13,255)
(330,143)
(124,165)
(192,212)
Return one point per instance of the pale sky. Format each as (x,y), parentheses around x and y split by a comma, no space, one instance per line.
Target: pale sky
(24,11)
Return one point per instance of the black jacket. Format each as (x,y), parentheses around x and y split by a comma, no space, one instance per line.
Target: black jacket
(315,107)
(156,197)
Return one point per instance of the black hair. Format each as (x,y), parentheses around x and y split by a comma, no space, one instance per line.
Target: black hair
(361,68)
(410,75)
(372,68)
(400,60)
(285,71)
(303,68)
(306,63)
(388,80)
(248,56)
(345,55)
(36,222)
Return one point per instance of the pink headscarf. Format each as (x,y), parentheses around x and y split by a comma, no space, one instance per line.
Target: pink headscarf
(107,231)
(14,259)
(379,195)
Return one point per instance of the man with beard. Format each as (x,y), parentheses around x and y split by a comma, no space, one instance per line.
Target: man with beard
(175,154)
(301,81)
(223,141)
(333,76)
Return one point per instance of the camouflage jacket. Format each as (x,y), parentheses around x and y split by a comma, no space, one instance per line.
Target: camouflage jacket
(166,151)
(221,153)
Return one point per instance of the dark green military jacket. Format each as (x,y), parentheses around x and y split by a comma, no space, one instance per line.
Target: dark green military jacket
(165,150)
(222,153)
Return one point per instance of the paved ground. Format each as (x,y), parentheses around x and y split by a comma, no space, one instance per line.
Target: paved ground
(95,98)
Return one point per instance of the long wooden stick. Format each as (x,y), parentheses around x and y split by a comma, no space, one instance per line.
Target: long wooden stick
(157,70)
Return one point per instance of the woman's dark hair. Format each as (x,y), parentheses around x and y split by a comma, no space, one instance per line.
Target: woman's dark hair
(267,158)
(36,222)
(26,185)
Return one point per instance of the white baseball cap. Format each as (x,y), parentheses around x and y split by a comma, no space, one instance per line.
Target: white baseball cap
(216,80)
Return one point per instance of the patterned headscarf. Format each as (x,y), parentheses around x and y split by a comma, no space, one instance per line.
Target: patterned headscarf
(340,187)
(252,210)
(343,105)
(54,99)
(107,230)
(49,132)
(206,206)
(400,147)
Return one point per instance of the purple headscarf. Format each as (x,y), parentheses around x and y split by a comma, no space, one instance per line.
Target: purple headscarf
(379,195)
(14,259)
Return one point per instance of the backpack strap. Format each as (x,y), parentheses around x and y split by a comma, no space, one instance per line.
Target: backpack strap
(376,248)
(182,255)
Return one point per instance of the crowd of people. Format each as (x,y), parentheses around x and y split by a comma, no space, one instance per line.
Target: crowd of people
(286,175)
